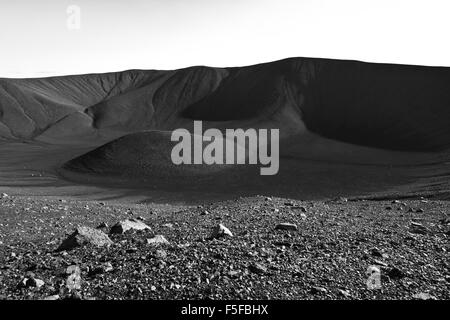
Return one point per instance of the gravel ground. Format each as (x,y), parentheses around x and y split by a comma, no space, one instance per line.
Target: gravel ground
(323,250)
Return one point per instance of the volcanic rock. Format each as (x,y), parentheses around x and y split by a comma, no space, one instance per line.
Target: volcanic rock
(286,226)
(129,224)
(157,240)
(73,281)
(220,231)
(257,268)
(84,236)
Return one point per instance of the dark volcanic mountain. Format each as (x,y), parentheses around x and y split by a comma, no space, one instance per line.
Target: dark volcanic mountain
(371,118)
(381,105)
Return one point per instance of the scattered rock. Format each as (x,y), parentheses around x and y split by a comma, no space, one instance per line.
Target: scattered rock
(73,281)
(424,296)
(417,228)
(84,236)
(380,263)
(23,283)
(103,268)
(395,273)
(129,224)
(73,269)
(234,273)
(257,268)
(286,226)
(372,270)
(345,293)
(220,231)
(31,282)
(318,290)
(157,240)
(375,252)
(168,225)
(102,225)
(131,250)
(39,283)
(160,254)
(107,267)
(74,295)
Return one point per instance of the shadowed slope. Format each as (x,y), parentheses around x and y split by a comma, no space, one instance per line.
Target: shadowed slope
(328,112)
(139,156)
(386,106)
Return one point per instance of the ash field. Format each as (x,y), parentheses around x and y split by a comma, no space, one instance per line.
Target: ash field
(92,206)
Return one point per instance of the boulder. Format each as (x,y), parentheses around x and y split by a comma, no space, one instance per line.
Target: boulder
(129,224)
(85,236)
(220,231)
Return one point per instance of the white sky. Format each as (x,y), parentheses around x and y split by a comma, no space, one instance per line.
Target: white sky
(167,34)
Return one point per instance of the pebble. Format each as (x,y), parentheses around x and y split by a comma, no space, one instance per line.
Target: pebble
(424,296)
(377,253)
(380,263)
(103,268)
(73,281)
(102,225)
(396,273)
(345,293)
(220,231)
(318,290)
(31,281)
(302,209)
(234,273)
(286,226)
(257,268)
(129,224)
(157,240)
(160,254)
(417,228)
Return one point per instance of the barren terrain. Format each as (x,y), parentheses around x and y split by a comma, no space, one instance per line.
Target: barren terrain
(363,181)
